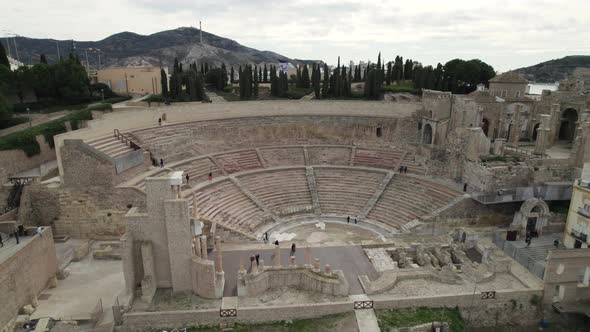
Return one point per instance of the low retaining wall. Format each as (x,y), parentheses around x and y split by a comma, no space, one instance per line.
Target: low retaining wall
(298,277)
(25,273)
(146,321)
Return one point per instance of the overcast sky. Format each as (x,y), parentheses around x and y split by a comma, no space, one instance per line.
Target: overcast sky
(506,34)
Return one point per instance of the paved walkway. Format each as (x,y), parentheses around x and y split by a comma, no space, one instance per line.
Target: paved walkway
(215,98)
(365,318)
(350,259)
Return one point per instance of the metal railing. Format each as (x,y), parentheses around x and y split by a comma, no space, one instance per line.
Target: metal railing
(125,139)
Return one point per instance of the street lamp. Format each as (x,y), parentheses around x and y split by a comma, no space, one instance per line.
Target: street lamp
(29,115)
(102,94)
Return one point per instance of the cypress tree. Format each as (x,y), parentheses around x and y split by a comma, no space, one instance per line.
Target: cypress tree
(202,69)
(180,67)
(265,75)
(223,76)
(164,82)
(206,67)
(43,59)
(231,75)
(256,78)
(175,68)
(326,83)
(3,57)
(305,77)
(316,80)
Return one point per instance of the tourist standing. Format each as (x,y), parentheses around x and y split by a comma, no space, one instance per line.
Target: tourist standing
(257,259)
(1,243)
(355,220)
(159,121)
(210,176)
(187,178)
(161,162)
(348,219)
(293,249)
(16,236)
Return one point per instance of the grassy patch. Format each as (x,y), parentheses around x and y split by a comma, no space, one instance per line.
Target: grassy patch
(13,121)
(400,87)
(412,317)
(327,323)
(25,139)
(227,94)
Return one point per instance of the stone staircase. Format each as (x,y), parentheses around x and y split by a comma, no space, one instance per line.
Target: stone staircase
(371,203)
(111,146)
(311,182)
(415,223)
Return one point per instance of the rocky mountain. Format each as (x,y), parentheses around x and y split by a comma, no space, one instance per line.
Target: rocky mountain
(131,49)
(555,70)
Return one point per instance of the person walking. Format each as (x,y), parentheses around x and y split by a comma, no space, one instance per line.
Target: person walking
(293,249)
(161,162)
(210,176)
(348,219)
(187,178)
(159,121)
(257,259)
(16,236)
(276,242)
(355,220)
(1,243)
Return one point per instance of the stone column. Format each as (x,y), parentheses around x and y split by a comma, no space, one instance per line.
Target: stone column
(316,265)
(254,266)
(195,205)
(218,262)
(515,129)
(197,243)
(499,146)
(328,269)
(555,123)
(293,264)
(277,256)
(308,256)
(542,135)
(204,246)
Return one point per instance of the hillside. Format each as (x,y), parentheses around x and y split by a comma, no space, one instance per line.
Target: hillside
(555,70)
(128,48)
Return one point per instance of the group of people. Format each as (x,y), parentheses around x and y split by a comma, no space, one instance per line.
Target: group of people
(17,233)
(403,169)
(348,220)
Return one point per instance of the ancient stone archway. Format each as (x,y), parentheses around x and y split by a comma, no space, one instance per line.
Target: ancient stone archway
(485,126)
(532,217)
(427,134)
(567,129)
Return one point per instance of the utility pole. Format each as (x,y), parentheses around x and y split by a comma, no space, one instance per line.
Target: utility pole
(57,45)
(200,33)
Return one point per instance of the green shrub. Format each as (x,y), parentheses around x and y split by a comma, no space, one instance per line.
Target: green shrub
(115,100)
(100,107)
(411,317)
(25,139)
(298,93)
(155,99)
(13,121)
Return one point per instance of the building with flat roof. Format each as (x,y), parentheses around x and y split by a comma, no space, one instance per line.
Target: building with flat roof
(141,80)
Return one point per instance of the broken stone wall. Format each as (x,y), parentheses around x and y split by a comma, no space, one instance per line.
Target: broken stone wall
(25,274)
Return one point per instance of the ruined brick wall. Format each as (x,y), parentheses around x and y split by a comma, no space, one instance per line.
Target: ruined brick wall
(25,274)
(39,205)
(82,170)
(485,179)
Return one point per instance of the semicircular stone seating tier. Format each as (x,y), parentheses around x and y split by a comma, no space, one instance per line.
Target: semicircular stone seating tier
(250,201)
(230,162)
